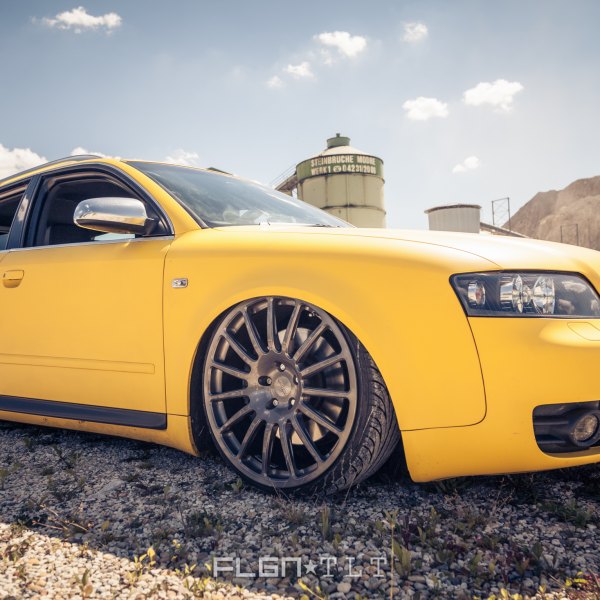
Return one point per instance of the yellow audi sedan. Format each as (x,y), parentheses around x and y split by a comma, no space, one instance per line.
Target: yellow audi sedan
(188,307)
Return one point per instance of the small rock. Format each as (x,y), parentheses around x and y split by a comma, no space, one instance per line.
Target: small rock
(344,587)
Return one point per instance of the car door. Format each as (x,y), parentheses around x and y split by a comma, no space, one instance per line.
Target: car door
(81,310)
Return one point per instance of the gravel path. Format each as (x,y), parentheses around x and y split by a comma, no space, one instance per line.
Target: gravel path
(91,516)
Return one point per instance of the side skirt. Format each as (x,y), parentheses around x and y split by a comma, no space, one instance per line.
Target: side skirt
(84,412)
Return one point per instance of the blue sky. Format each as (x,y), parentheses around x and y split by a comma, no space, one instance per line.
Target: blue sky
(465,101)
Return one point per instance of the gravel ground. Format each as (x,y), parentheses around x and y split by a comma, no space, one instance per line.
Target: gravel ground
(91,516)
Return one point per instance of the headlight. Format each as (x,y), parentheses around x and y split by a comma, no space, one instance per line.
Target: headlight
(526,294)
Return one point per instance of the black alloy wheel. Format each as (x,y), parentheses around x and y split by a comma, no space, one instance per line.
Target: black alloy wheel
(282,396)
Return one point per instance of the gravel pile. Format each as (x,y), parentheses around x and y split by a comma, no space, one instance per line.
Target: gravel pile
(91,516)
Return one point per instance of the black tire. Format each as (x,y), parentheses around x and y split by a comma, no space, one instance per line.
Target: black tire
(293,401)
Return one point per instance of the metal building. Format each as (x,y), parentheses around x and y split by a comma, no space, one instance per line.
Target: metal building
(455,217)
(464,218)
(343,181)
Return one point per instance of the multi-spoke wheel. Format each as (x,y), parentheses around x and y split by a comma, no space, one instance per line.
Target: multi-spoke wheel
(290,399)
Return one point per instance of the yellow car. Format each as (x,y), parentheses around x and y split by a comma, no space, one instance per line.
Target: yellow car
(180,305)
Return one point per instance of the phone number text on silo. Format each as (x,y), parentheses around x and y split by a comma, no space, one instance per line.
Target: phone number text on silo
(318,168)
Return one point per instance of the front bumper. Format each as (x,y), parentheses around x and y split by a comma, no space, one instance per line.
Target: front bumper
(525,363)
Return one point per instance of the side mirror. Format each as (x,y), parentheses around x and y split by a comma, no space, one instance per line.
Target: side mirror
(113,215)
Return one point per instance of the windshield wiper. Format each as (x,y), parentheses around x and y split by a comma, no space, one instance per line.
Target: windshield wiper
(292,224)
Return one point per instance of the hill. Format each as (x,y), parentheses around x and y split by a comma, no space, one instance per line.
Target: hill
(571,215)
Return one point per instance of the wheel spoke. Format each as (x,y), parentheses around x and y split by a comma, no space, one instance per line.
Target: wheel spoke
(308,443)
(249,436)
(272,340)
(252,333)
(320,419)
(324,393)
(291,328)
(309,341)
(327,362)
(286,445)
(227,395)
(235,418)
(267,447)
(233,371)
(238,348)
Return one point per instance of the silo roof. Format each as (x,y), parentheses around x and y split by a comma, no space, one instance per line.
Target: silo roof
(340,150)
(450,206)
(340,144)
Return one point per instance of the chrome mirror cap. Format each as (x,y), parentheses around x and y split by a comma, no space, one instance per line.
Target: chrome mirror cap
(113,215)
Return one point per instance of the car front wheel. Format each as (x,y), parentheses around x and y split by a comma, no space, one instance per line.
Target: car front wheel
(293,400)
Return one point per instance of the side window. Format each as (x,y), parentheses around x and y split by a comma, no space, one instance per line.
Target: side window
(59,199)
(9,203)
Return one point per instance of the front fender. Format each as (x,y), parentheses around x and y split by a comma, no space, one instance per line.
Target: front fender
(394,296)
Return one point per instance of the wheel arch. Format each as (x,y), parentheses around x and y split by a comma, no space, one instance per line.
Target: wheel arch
(198,421)
(201,430)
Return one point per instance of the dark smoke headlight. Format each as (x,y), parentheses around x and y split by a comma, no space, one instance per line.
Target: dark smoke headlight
(526,294)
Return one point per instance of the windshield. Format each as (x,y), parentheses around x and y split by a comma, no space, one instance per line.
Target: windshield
(216,200)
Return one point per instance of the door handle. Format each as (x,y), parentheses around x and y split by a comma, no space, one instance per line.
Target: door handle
(12,279)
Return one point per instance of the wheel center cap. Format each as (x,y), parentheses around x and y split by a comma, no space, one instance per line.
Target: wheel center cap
(282,386)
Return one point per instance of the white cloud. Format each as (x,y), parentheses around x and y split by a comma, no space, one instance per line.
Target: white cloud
(327,57)
(469,164)
(346,44)
(423,109)
(275,82)
(79,20)
(415,32)
(183,157)
(81,150)
(300,71)
(18,159)
(499,94)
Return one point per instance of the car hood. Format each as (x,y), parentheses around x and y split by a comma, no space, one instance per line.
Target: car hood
(504,251)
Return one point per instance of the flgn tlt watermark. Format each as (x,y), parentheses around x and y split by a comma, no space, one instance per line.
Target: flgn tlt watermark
(272,567)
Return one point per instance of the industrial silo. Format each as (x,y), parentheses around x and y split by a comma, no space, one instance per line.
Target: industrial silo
(345,182)
(455,217)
